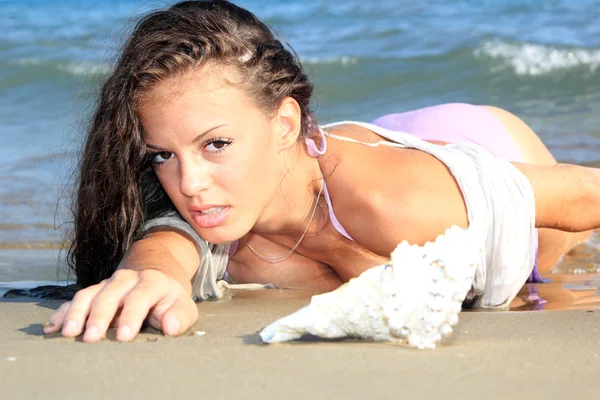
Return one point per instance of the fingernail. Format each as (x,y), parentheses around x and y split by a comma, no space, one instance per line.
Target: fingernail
(91,332)
(124,332)
(70,326)
(174,326)
(48,325)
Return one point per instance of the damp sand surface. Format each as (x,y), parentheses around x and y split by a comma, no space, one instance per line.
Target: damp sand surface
(563,292)
(546,351)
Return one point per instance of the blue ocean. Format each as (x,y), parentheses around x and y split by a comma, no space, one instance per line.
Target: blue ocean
(537,58)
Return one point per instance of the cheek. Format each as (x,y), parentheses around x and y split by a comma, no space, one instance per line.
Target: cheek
(235,180)
(251,177)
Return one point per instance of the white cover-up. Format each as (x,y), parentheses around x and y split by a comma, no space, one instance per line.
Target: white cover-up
(500,204)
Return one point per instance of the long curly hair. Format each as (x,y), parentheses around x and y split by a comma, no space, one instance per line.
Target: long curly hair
(117,189)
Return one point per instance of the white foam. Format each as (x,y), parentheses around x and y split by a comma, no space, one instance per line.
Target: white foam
(536,59)
(78,68)
(344,60)
(29,61)
(83,68)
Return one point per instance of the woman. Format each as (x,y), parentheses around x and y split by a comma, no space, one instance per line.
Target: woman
(207,113)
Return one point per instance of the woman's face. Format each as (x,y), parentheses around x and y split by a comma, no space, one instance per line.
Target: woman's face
(215,153)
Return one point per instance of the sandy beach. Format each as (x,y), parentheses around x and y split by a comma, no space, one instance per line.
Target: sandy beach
(492,355)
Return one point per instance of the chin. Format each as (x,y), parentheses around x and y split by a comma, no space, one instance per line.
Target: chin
(220,235)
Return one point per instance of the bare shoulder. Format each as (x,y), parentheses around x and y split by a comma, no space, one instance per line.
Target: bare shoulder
(384,195)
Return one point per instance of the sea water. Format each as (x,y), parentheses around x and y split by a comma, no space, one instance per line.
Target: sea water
(537,58)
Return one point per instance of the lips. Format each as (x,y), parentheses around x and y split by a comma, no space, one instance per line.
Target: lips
(210,216)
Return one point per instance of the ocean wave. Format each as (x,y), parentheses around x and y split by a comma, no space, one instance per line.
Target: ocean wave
(83,68)
(89,68)
(76,68)
(536,59)
(343,60)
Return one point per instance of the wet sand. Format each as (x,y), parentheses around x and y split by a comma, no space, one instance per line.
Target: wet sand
(492,355)
(563,292)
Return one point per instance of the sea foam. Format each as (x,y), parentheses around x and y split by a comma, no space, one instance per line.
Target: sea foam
(343,60)
(76,68)
(537,59)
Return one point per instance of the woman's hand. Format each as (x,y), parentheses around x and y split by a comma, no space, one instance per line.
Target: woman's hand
(132,296)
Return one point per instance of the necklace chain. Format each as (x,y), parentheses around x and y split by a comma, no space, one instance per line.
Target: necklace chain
(281,258)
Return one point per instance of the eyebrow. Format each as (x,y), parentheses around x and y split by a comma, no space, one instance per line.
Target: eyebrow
(197,138)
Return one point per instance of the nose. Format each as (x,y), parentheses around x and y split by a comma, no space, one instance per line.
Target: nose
(194,178)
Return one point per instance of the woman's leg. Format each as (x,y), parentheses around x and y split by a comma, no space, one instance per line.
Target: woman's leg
(553,244)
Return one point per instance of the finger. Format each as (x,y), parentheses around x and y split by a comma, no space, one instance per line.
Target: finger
(180,316)
(79,310)
(55,321)
(105,307)
(137,305)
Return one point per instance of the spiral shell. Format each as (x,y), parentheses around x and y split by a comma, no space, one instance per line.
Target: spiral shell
(414,300)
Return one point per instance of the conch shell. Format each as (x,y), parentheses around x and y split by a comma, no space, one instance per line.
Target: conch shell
(415,299)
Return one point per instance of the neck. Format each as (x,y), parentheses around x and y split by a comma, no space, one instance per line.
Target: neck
(294,201)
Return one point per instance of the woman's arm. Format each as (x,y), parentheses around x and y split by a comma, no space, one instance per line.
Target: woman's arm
(567,196)
(153,283)
(170,252)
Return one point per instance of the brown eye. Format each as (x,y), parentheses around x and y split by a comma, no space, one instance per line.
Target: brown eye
(162,156)
(217,145)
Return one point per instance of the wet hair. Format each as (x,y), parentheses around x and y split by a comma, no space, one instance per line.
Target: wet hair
(117,189)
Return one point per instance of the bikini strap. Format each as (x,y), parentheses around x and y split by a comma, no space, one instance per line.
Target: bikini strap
(336,223)
(385,143)
(313,150)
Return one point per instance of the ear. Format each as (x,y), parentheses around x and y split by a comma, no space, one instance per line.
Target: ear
(287,123)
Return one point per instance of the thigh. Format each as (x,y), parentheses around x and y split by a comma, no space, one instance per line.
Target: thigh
(527,142)
(553,244)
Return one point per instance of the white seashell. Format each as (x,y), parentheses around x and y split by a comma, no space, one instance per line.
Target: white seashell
(413,300)
(446,330)
(453,319)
